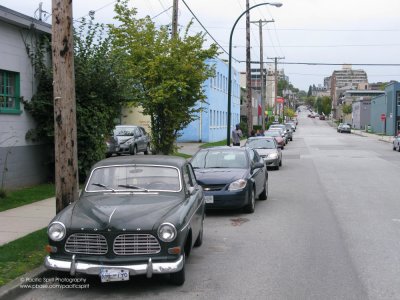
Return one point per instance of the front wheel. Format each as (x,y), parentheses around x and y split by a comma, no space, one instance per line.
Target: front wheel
(133,150)
(178,278)
(199,240)
(264,194)
(249,208)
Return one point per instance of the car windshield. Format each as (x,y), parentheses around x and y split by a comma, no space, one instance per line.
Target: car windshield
(124,132)
(134,178)
(220,159)
(261,143)
(272,133)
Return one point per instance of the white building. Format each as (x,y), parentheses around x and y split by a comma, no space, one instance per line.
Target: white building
(22,162)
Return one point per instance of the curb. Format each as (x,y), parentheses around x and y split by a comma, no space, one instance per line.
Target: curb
(12,289)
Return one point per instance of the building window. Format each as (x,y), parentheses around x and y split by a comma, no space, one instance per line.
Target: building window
(398,98)
(9,92)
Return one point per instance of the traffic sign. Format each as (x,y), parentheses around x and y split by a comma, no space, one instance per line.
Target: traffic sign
(383,117)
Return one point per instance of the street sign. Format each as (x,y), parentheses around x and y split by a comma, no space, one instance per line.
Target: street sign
(383,117)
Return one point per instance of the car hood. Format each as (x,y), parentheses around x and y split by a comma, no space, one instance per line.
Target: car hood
(262,151)
(122,139)
(217,176)
(116,211)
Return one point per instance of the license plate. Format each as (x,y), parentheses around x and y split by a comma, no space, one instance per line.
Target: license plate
(209,199)
(108,275)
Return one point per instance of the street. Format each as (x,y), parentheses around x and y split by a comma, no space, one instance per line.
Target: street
(330,229)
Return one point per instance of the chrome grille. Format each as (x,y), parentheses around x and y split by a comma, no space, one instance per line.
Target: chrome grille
(132,244)
(86,243)
(215,187)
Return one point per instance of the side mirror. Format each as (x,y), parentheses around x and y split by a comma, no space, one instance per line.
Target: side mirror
(191,190)
(258,165)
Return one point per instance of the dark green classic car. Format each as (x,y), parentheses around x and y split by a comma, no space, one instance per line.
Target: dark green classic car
(136,215)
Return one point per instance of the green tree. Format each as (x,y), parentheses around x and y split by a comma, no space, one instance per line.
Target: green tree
(99,95)
(347,109)
(290,113)
(166,74)
(326,105)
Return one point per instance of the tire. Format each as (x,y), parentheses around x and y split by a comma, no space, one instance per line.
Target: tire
(394,148)
(199,240)
(249,208)
(291,139)
(264,193)
(280,163)
(147,151)
(178,278)
(133,151)
(398,149)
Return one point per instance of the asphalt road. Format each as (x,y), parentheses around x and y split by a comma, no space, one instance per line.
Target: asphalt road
(330,229)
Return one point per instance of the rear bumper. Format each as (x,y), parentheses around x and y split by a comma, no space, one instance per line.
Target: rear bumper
(73,266)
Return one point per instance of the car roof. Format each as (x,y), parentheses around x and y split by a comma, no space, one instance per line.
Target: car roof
(126,126)
(163,160)
(260,137)
(233,148)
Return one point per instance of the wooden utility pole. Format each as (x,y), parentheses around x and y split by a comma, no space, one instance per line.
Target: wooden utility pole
(65,136)
(248,73)
(276,79)
(262,78)
(175,18)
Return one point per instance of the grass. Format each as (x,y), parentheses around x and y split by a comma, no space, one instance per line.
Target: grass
(21,256)
(185,156)
(214,144)
(26,196)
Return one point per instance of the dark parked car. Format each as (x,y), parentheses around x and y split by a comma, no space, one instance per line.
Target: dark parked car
(231,177)
(131,139)
(268,149)
(136,215)
(396,143)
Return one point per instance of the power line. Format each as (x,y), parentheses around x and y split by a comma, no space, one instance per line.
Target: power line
(187,6)
(165,10)
(331,64)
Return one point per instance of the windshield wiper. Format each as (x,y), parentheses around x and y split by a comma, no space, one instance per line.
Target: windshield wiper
(104,186)
(129,186)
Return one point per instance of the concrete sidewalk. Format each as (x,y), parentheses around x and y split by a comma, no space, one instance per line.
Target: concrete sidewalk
(18,222)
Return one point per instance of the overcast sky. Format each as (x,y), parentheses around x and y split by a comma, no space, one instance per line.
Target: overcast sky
(315,31)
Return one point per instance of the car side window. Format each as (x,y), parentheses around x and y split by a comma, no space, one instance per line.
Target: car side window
(137,132)
(256,158)
(251,156)
(186,176)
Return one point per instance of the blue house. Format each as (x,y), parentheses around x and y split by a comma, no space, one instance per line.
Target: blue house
(211,124)
(385,111)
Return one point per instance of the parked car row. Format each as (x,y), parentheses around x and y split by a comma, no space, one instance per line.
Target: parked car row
(144,214)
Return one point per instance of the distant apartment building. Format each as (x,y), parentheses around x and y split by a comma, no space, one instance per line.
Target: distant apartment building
(344,80)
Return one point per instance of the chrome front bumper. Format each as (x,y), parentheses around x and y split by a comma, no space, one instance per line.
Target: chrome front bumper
(148,268)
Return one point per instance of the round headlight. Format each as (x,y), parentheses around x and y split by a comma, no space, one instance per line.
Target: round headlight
(167,232)
(237,185)
(273,155)
(56,231)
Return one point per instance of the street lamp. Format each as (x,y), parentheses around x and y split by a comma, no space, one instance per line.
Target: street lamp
(228,131)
